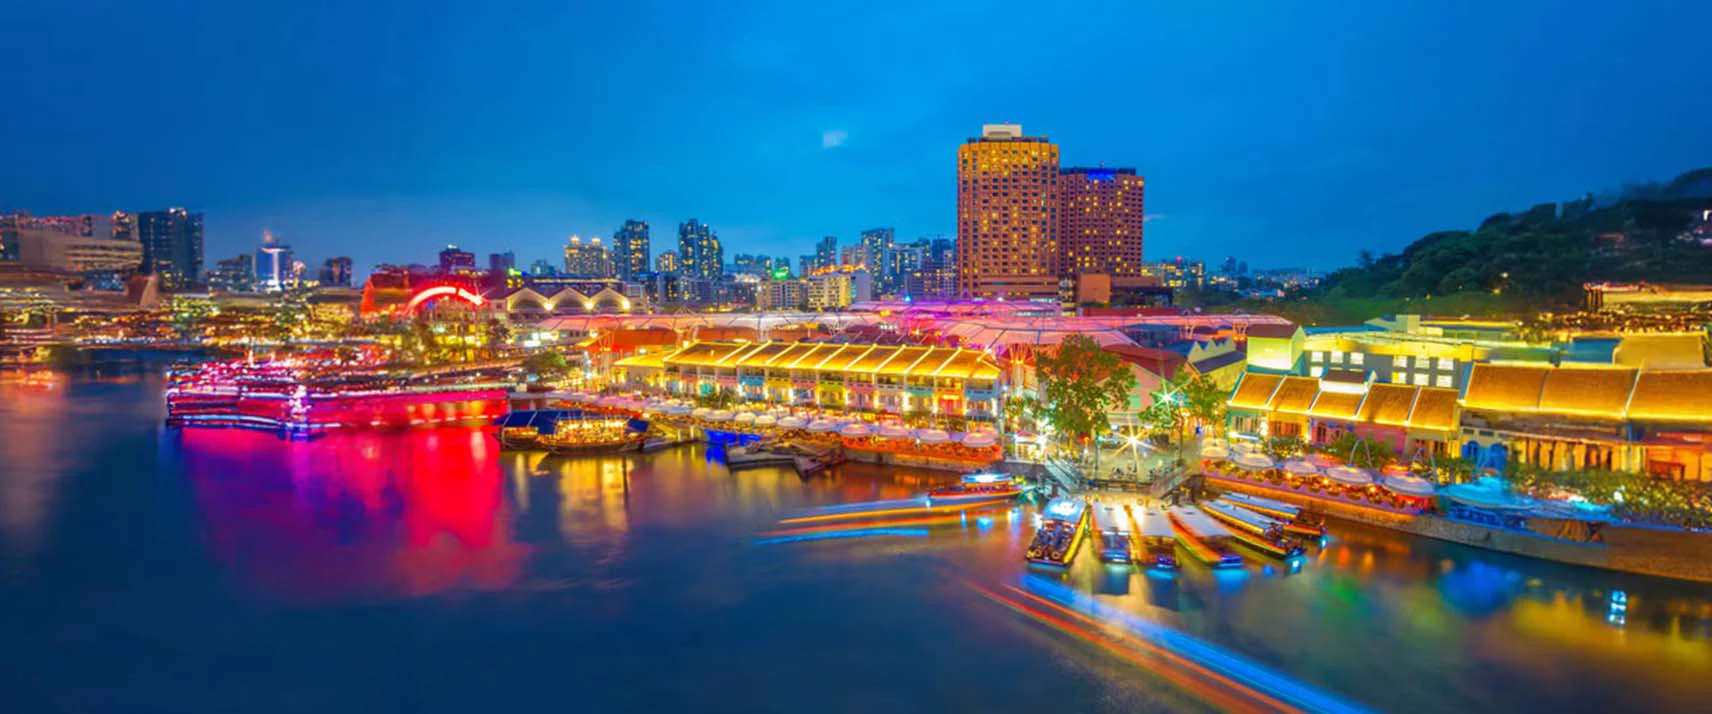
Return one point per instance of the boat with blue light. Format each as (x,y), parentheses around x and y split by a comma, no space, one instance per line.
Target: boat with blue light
(1152,540)
(1204,538)
(1063,524)
(977,488)
(1112,525)
(1254,530)
(1294,518)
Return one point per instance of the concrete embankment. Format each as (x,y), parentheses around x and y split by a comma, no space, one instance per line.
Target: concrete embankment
(1660,552)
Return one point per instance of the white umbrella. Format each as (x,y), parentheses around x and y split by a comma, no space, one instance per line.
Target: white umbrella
(932,436)
(721,415)
(653,405)
(1254,462)
(1301,467)
(676,410)
(1215,452)
(1243,447)
(791,422)
(701,412)
(766,420)
(855,430)
(744,418)
(894,431)
(1410,485)
(820,426)
(1349,475)
(979,439)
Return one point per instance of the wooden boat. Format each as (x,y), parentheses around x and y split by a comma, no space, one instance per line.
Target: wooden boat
(585,434)
(1295,520)
(1112,526)
(1062,526)
(1254,530)
(756,456)
(1204,538)
(1152,540)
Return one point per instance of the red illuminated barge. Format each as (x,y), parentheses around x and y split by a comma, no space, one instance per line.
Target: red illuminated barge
(303,398)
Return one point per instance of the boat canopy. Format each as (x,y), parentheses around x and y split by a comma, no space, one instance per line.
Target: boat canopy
(1243,499)
(544,420)
(1202,524)
(1064,509)
(1152,522)
(1108,519)
(1244,515)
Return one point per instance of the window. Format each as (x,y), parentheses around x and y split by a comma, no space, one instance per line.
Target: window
(1420,379)
(1444,381)
(1446,364)
(1337,355)
(1316,371)
(1406,360)
(1399,377)
(1317,357)
(1356,358)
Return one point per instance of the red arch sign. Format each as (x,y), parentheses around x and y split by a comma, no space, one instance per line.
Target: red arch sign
(440,291)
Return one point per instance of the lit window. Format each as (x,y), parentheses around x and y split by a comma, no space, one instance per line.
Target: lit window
(1420,379)
(1337,355)
(1356,358)
(1316,371)
(1399,377)
(1445,363)
(1443,381)
(1317,357)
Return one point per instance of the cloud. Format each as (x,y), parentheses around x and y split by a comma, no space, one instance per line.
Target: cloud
(833,138)
(1151,217)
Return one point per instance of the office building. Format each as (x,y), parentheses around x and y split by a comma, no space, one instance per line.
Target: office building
(1100,222)
(666,262)
(172,246)
(825,254)
(588,259)
(877,254)
(542,268)
(1007,215)
(73,253)
(631,249)
(455,261)
(336,272)
(699,252)
(273,265)
(839,287)
(501,263)
(236,274)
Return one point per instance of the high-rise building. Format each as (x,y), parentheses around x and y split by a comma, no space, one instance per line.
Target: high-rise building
(833,288)
(589,259)
(666,262)
(881,261)
(236,274)
(172,246)
(543,268)
(699,251)
(630,249)
(453,260)
(1007,215)
(852,256)
(1100,222)
(825,254)
(273,264)
(336,272)
(501,263)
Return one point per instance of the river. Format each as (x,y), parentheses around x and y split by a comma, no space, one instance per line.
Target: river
(150,569)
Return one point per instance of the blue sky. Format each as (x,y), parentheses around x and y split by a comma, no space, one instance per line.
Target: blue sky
(1283,135)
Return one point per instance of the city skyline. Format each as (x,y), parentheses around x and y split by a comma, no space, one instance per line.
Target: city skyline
(1251,142)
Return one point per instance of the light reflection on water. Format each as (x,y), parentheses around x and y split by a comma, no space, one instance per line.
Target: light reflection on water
(660,558)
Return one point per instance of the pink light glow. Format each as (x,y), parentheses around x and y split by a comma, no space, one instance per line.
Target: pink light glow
(440,291)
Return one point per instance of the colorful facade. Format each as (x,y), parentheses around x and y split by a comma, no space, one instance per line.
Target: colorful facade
(883,379)
(1410,419)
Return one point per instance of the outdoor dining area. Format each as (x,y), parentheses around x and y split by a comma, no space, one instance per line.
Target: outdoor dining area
(1316,476)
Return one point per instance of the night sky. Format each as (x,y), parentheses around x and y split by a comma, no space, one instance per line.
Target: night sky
(1285,136)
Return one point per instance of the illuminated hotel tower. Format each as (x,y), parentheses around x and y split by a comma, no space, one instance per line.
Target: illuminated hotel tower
(1007,215)
(1099,221)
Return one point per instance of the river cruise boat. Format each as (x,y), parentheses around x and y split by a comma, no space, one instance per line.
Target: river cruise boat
(1111,524)
(591,434)
(1204,538)
(1254,530)
(1295,520)
(1063,524)
(977,488)
(1153,542)
(523,429)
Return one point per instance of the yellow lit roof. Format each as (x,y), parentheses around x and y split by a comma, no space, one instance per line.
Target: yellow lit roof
(842,359)
(1336,405)
(1505,387)
(1672,396)
(1594,392)
(1388,404)
(760,357)
(904,363)
(1295,395)
(1255,390)
(846,358)
(653,361)
(792,354)
(873,360)
(1435,409)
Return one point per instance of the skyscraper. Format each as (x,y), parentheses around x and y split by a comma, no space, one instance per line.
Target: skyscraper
(453,260)
(235,274)
(172,246)
(589,260)
(666,262)
(336,272)
(630,249)
(699,252)
(273,264)
(1100,222)
(878,256)
(1007,215)
(825,254)
(501,262)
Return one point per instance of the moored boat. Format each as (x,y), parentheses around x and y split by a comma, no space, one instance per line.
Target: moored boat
(1254,530)
(581,434)
(977,487)
(1112,526)
(1205,539)
(1062,526)
(1152,541)
(1294,519)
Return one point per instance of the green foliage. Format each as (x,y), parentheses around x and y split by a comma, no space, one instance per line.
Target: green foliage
(546,364)
(1022,410)
(1631,496)
(722,398)
(496,333)
(1284,447)
(1079,384)
(1359,451)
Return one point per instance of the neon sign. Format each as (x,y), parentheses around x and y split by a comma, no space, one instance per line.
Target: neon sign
(440,291)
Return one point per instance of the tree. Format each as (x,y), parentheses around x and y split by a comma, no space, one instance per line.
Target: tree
(496,334)
(546,364)
(1079,384)
(1021,410)
(1203,399)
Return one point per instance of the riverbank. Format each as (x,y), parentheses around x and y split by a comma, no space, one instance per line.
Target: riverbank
(1658,552)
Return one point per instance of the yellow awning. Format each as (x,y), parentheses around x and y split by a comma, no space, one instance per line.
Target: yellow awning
(1435,409)
(1255,390)
(1336,405)
(1388,404)
(1295,395)
(1684,396)
(1505,387)
(1587,391)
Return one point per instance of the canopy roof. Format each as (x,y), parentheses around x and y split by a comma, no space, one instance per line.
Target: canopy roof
(890,360)
(1594,392)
